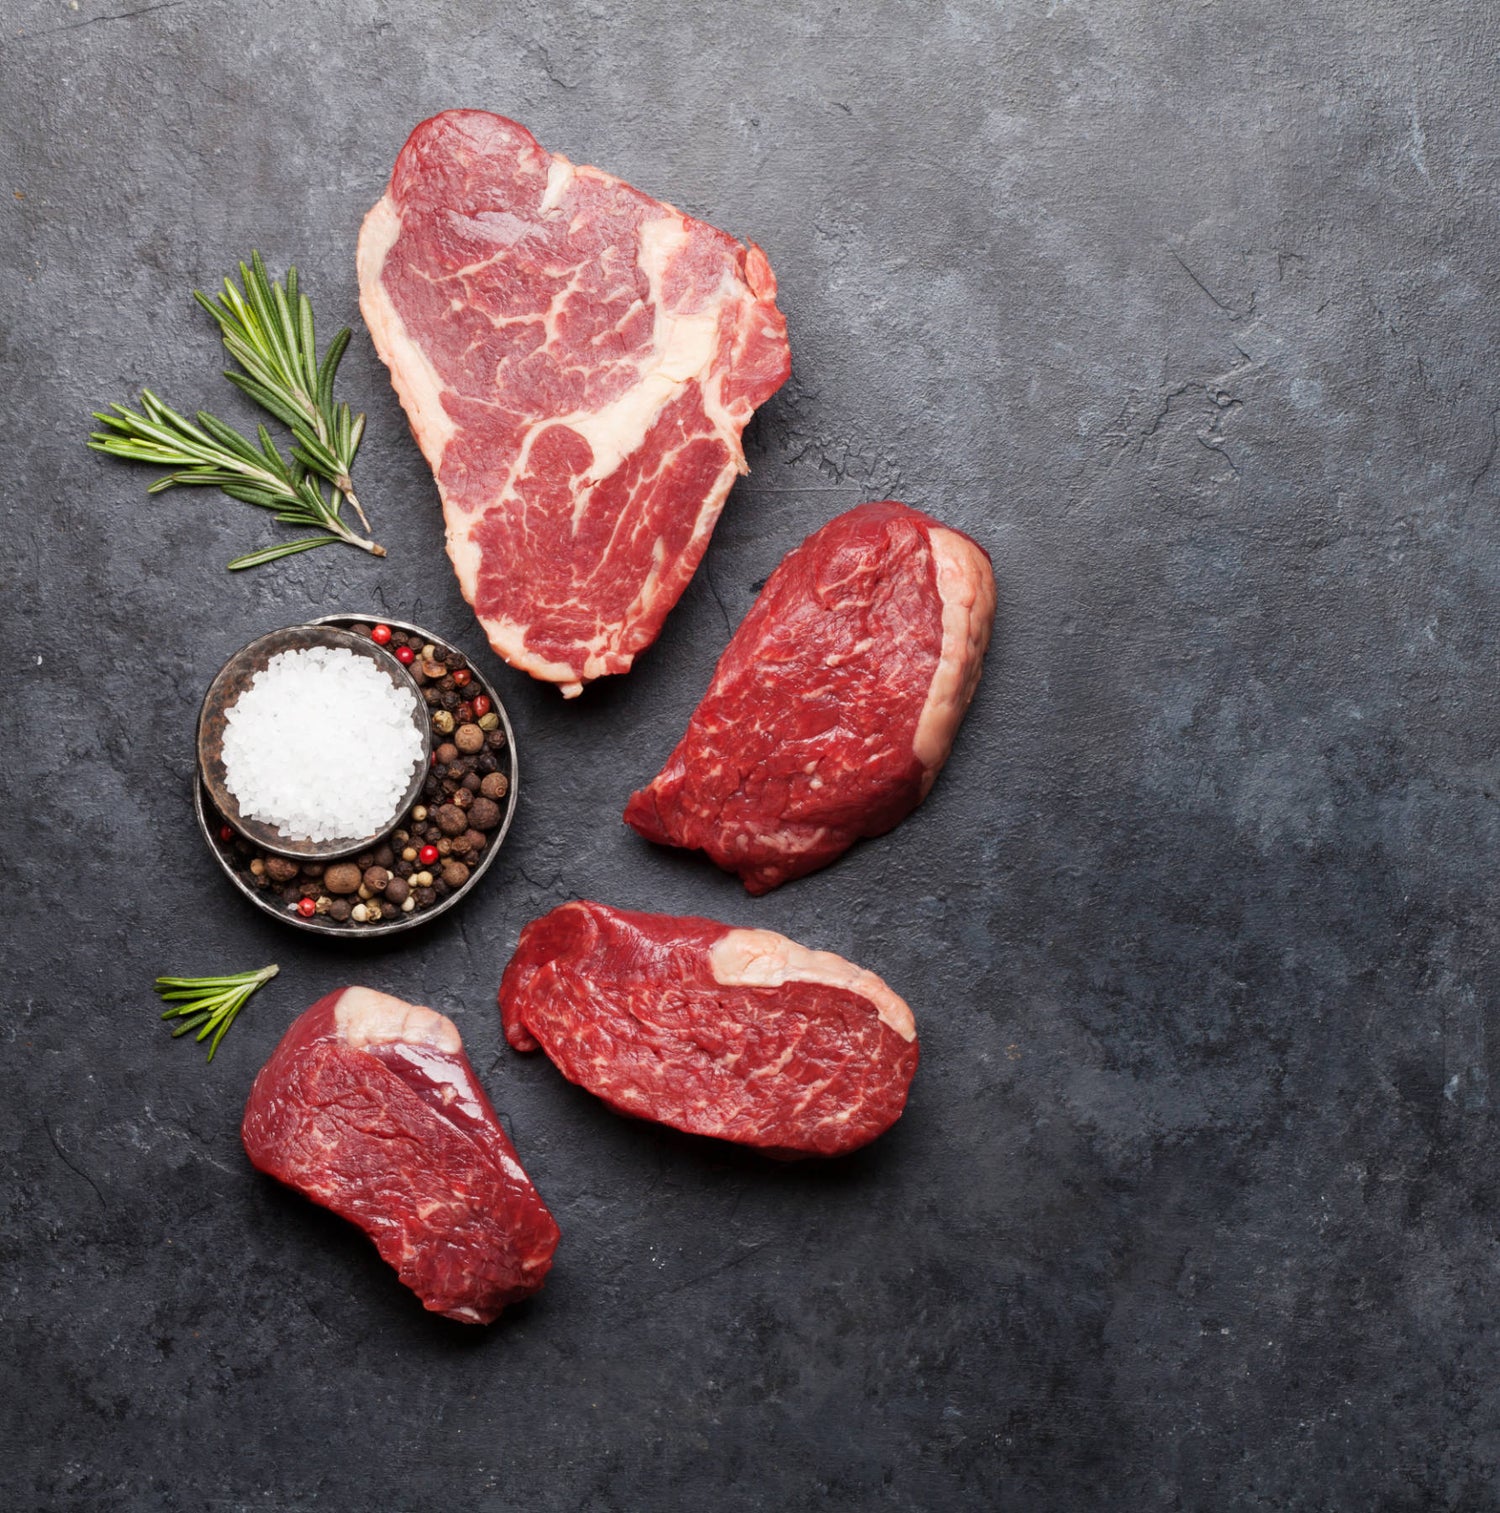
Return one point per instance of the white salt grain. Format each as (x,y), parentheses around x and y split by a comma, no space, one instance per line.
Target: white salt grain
(322,745)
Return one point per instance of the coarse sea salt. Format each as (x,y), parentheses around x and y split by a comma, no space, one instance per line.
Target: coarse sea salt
(322,745)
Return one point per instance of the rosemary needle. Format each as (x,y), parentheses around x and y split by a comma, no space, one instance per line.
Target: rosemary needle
(209,1004)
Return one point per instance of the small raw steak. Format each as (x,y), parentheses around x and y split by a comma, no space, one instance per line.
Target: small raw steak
(370,1107)
(836,704)
(577,361)
(740,1034)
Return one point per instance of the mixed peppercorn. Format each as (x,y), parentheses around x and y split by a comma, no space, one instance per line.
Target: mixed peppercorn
(439,841)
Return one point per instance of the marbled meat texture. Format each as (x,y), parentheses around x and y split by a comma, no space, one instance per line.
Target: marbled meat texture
(836,703)
(577,361)
(739,1034)
(370,1107)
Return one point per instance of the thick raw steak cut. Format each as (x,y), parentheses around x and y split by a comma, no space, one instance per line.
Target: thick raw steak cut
(741,1034)
(577,361)
(370,1107)
(836,704)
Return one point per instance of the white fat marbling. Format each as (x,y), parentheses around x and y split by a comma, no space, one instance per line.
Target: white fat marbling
(416,381)
(365,1018)
(764,959)
(966,585)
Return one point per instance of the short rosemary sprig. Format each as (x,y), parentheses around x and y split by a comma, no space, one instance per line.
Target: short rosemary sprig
(268,330)
(212,453)
(209,1004)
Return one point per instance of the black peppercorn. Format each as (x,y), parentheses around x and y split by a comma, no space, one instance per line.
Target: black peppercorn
(343,877)
(484,814)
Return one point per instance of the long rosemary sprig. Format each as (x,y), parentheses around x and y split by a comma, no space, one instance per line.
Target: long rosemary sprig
(213,454)
(209,1004)
(268,331)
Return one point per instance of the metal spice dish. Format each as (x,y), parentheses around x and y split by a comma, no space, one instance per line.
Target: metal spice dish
(451,688)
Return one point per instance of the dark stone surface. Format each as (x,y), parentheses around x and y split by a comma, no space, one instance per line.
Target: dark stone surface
(1188,312)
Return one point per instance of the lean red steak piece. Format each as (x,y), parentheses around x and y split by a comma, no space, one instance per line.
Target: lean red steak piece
(739,1034)
(370,1107)
(577,361)
(836,703)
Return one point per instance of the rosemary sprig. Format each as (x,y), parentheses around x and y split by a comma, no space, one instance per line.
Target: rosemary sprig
(209,1004)
(213,454)
(268,331)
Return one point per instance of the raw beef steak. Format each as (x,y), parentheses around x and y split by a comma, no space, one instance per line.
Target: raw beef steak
(370,1107)
(835,705)
(577,361)
(741,1034)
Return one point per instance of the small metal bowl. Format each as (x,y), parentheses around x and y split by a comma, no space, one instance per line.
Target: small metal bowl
(235,677)
(210,820)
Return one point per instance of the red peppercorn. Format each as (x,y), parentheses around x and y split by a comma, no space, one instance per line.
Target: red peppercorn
(481,703)
(464,713)
(307,907)
(461,677)
(405,655)
(225,833)
(381,634)
(427,855)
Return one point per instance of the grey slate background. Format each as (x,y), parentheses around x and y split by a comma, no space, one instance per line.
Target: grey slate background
(1187,311)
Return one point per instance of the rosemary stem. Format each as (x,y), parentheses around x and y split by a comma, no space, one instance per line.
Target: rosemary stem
(346,487)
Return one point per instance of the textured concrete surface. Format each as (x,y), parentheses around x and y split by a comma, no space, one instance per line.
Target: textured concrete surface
(1188,311)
